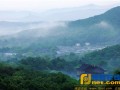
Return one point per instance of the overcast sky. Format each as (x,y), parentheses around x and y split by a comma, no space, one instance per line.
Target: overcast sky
(41,5)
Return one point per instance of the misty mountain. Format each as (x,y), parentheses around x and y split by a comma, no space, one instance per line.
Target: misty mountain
(99,30)
(63,14)
(74,13)
(111,17)
(13,16)
(8,28)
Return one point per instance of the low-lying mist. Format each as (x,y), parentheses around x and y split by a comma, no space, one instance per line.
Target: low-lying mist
(36,29)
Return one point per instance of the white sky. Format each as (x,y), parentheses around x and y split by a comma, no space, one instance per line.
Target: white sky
(42,5)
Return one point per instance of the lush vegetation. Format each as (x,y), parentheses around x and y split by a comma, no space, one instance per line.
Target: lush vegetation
(56,64)
(108,58)
(29,68)
(44,73)
(18,78)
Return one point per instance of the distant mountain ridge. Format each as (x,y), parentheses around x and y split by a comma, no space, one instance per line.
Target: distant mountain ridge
(99,30)
(111,16)
(62,14)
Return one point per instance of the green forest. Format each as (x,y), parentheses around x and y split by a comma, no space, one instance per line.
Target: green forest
(20,78)
(47,57)
(43,73)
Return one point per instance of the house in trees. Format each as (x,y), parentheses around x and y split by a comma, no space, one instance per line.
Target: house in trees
(90,69)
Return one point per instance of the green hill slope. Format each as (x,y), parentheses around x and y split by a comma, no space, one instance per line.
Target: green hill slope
(108,58)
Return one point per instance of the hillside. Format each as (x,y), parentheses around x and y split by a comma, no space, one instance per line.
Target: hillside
(110,16)
(108,58)
(99,31)
(18,78)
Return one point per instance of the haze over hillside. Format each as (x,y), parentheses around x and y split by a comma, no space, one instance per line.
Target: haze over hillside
(63,14)
(41,40)
(99,31)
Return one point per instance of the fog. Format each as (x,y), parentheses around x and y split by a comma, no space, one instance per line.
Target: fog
(56,14)
(41,29)
(104,24)
(48,25)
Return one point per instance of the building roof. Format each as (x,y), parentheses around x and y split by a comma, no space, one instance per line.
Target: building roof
(90,68)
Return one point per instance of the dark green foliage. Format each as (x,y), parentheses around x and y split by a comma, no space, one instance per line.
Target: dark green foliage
(22,79)
(57,64)
(117,71)
(36,63)
(6,70)
(109,58)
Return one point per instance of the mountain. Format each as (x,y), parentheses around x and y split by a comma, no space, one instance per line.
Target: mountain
(8,28)
(73,13)
(107,58)
(100,30)
(63,14)
(13,16)
(111,17)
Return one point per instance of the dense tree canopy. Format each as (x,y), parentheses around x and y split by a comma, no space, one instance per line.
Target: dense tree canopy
(24,79)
